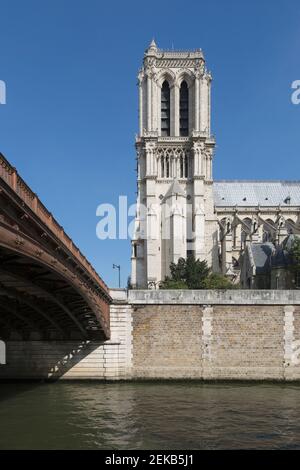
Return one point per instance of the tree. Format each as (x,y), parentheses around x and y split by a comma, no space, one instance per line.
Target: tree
(178,271)
(295,253)
(295,259)
(194,274)
(218,281)
(172,284)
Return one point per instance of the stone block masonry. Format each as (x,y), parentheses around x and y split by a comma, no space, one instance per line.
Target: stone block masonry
(167,341)
(207,335)
(216,335)
(246,341)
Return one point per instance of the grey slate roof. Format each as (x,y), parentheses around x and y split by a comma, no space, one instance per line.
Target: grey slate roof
(253,193)
(267,256)
(262,253)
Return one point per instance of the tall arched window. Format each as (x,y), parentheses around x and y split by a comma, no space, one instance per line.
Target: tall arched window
(184,109)
(165,109)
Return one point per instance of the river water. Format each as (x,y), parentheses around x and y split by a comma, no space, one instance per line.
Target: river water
(162,415)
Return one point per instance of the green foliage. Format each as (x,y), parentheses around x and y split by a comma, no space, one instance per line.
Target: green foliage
(178,270)
(218,281)
(295,261)
(172,284)
(295,254)
(194,274)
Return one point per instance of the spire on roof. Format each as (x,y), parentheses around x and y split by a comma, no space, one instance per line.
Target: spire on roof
(152,47)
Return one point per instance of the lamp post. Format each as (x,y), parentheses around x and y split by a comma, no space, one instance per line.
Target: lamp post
(117,266)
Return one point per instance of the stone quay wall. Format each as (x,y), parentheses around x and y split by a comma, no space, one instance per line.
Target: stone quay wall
(215,335)
(160,334)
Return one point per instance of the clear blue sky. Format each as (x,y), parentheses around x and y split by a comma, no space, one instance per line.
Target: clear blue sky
(70,68)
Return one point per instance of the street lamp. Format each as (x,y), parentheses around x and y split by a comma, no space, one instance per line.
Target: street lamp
(117,266)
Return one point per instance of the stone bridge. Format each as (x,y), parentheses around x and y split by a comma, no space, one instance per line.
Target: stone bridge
(48,289)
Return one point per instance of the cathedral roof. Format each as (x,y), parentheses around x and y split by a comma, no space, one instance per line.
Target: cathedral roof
(256,193)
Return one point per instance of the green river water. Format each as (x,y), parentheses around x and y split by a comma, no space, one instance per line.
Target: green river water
(149,415)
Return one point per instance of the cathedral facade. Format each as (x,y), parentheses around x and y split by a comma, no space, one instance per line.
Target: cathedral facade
(181,211)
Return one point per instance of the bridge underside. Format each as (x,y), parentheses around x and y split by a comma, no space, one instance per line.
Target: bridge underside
(48,289)
(37,303)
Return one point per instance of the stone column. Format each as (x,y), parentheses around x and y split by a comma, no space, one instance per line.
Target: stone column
(199,225)
(238,235)
(154,159)
(149,103)
(147,162)
(207,164)
(207,170)
(158,109)
(178,229)
(150,161)
(226,245)
(197,109)
(208,103)
(204,104)
(209,159)
(153,233)
(197,170)
(153,104)
(140,107)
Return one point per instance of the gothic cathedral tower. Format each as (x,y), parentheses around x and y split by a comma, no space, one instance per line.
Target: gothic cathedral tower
(175,210)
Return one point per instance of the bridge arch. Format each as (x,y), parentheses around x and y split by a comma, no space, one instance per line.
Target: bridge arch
(48,290)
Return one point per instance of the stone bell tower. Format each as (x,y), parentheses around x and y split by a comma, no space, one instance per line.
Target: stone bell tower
(175,210)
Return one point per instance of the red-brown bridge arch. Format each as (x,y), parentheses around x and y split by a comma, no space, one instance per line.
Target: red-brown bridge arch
(48,290)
